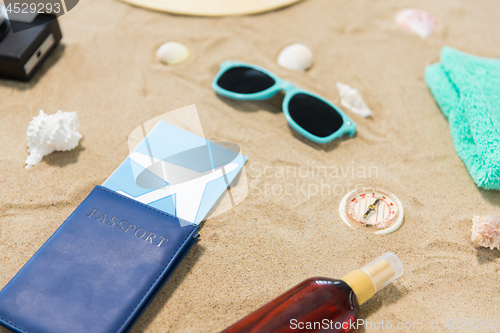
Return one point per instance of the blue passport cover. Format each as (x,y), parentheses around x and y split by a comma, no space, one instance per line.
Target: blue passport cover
(99,270)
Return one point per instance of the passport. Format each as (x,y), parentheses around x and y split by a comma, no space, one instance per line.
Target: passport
(102,267)
(99,270)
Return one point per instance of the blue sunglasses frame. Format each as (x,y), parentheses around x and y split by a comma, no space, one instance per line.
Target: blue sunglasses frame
(348,126)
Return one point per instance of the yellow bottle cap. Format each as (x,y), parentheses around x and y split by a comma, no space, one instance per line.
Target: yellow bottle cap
(369,279)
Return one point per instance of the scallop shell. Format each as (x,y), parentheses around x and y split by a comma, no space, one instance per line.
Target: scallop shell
(296,56)
(351,99)
(49,133)
(486,231)
(172,53)
(416,20)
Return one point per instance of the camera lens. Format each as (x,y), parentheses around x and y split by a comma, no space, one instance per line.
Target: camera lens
(4,23)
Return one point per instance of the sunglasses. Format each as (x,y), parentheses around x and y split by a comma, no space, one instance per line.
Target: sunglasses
(309,114)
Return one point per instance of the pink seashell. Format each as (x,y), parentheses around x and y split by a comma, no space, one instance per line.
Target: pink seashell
(416,20)
(486,231)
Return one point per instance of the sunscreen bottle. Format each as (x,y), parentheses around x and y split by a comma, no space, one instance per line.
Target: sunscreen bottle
(323,304)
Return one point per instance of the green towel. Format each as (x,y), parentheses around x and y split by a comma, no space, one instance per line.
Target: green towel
(467,89)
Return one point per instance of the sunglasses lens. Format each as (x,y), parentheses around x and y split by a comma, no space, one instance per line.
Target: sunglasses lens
(314,115)
(245,80)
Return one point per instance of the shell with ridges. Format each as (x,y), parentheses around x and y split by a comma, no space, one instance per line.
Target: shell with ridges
(46,134)
(351,99)
(416,20)
(486,231)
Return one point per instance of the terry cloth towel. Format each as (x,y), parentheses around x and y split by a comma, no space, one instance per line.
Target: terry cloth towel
(467,89)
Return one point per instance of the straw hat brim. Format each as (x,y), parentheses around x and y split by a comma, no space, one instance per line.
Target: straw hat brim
(212,7)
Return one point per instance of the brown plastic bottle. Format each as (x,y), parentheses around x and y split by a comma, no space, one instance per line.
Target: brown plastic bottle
(322,304)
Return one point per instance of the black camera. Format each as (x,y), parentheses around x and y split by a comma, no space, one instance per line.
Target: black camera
(22,52)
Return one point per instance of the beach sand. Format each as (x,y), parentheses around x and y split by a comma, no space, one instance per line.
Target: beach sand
(285,230)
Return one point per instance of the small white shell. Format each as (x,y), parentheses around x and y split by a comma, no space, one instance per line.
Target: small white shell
(486,231)
(172,53)
(416,20)
(48,133)
(351,99)
(296,56)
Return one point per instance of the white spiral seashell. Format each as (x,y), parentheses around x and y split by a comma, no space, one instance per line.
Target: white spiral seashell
(296,56)
(351,99)
(49,133)
(172,53)
(486,231)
